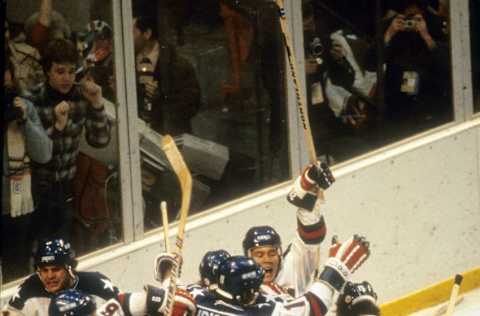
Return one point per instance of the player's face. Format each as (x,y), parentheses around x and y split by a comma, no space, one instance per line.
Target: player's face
(269,259)
(61,77)
(54,278)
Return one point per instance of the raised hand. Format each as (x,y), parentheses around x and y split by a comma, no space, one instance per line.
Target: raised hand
(92,92)
(61,111)
(344,259)
(318,174)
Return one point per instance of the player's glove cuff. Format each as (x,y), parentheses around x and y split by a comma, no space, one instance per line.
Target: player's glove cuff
(335,274)
(163,265)
(156,300)
(301,197)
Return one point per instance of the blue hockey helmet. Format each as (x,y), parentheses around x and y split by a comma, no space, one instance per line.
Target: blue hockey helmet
(71,303)
(258,236)
(55,252)
(239,280)
(357,299)
(209,266)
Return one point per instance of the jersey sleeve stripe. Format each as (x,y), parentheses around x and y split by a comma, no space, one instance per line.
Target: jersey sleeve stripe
(317,307)
(312,234)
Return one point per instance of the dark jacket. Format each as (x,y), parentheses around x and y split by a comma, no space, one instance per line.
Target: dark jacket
(178,97)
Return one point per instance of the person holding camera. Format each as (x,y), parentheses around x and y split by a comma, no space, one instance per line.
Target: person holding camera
(24,139)
(66,109)
(417,67)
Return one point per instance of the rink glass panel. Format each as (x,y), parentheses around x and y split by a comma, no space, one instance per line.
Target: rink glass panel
(221,95)
(97,221)
(475,42)
(362,94)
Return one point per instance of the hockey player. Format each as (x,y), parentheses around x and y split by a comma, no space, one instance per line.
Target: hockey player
(357,299)
(74,303)
(208,267)
(55,271)
(238,291)
(293,270)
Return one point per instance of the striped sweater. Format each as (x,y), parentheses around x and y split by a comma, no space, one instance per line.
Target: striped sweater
(82,115)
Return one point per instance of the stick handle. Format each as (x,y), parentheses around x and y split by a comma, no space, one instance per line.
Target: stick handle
(163,207)
(301,100)
(454,294)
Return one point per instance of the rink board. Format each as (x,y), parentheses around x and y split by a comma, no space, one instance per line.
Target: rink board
(433,297)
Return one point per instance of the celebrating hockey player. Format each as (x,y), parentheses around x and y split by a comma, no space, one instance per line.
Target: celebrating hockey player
(75,303)
(240,278)
(293,270)
(55,271)
(357,299)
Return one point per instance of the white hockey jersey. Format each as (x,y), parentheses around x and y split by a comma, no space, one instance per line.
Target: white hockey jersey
(302,257)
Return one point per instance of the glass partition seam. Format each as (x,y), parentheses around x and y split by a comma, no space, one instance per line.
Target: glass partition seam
(297,145)
(125,173)
(460,59)
(131,114)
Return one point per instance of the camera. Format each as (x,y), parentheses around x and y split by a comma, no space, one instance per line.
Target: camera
(410,24)
(316,48)
(12,113)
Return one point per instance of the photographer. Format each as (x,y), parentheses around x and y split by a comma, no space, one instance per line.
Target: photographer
(417,66)
(65,108)
(24,140)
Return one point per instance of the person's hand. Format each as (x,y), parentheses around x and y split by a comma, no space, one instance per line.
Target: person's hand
(163,265)
(318,174)
(311,66)
(20,103)
(343,260)
(151,89)
(397,25)
(92,92)
(61,115)
(337,52)
(422,30)
(304,191)
(184,304)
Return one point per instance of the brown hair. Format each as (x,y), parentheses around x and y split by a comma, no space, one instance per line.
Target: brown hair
(60,51)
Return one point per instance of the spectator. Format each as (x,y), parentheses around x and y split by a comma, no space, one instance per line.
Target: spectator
(45,25)
(24,140)
(65,108)
(26,63)
(169,94)
(417,65)
(97,51)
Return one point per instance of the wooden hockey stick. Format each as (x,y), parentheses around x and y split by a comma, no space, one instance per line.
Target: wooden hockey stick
(164,213)
(301,101)
(185,180)
(454,294)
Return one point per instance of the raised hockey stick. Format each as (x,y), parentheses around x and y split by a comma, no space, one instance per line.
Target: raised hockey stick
(164,213)
(454,294)
(185,180)
(301,101)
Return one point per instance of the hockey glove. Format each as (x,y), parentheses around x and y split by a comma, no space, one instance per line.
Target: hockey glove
(163,265)
(156,300)
(184,304)
(344,260)
(314,177)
